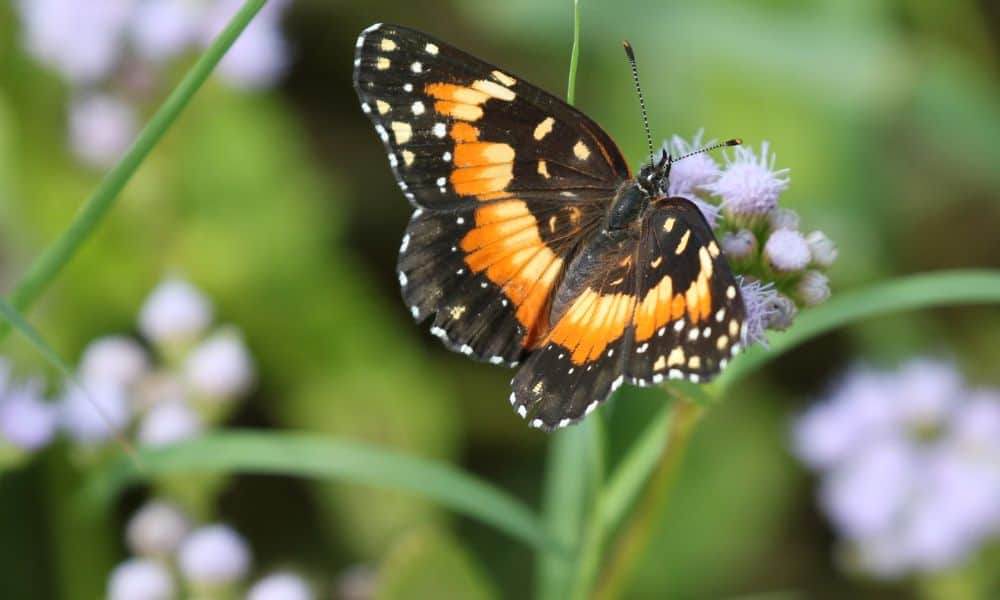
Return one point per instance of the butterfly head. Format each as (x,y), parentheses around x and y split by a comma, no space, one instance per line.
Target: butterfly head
(654,177)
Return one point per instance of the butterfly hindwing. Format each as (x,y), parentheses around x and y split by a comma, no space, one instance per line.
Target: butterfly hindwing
(582,359)
(689,314)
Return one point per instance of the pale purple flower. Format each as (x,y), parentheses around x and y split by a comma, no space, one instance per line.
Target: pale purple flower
(760,302)
(175,313)
(749,185)
(163,29)
(813,288)
(220,367)
(157,529)
(141,579)
(689,175)
(910,466)
(94,410)
(27,421)
(82,40)
(782,312)
(740,245)
(822,249)
(101,128)
(214,555)
(786,251)
(280,586)
(168,423)
(114,358)
(260,55)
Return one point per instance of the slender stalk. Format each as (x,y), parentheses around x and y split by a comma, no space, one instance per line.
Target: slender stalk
(639,528)
(574,56)
(44,269)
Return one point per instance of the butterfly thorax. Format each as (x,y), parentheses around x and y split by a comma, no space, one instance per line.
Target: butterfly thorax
(634,196)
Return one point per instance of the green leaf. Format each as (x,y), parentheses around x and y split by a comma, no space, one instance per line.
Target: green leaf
(318,457)
(897,295)
(44,269)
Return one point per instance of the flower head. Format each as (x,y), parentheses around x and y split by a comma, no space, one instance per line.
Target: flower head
(175,313)
(27,421)
(220,368)
(101,127)
(786,250)
(167,423)
(141,579)
(116,359)
(94,410)
(282,585)
(260,55)
(910,466)
(157,529)
(749,185)
(162,29)
(688,176)
(214,556)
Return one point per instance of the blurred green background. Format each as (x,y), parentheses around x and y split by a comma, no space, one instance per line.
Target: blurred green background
(280,206)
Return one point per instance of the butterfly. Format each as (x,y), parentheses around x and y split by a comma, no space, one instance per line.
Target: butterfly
(532,243)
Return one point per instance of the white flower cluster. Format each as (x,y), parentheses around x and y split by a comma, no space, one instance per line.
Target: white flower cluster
(202,372)
(909,464)
(212,561)
(781,268)
(111,52)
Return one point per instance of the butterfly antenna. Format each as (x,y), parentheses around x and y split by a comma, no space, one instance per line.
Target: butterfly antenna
(732,142)
(642,103)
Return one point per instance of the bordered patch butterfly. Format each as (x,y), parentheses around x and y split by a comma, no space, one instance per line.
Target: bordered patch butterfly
(532,243)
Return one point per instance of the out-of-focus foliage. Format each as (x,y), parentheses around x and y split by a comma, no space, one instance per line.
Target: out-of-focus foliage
(280,206)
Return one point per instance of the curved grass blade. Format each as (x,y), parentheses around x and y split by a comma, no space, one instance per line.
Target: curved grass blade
(319,457)
(44,269)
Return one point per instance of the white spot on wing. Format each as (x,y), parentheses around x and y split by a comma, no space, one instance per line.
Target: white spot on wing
(417,108)
(416,67)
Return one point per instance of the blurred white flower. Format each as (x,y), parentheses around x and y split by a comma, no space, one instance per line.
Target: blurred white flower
(813,288)
(690,174)
(786,250)
(220,367)
(280,586)
(214,555)
(162,29)
(82,40)
(141,579)
(101,128)
(157,529)
(27,421)
(167,423)
(94,410)
(115,358)
(260,55)
(784,218)
(822,249)
(910,466)
(158,387)
(175,313)
(749,185)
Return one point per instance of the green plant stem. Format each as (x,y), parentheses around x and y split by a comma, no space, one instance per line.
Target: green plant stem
(574,56)
(639,527)
(44,269)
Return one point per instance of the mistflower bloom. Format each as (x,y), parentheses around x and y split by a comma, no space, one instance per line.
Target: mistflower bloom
(101,127)
(909,464)
(260,55)
(689,175)
(141,579)
(168,423)
(162,29)
(760,301)
(157,529)
(94,410)
(175,313)
(813,288)
(786,250)
(214,556)
(784,218)
(822,249)
(749,185)
(115,358)
(27,421)
(82,40)
(739,245)
(220,367)
(280,586)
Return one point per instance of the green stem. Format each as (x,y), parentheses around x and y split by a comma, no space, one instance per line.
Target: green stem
(44,269)
(642,522)
(574,56)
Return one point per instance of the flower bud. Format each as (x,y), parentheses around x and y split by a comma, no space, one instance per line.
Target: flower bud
(174,313)
(280,586)
(813,288)
(167,423)
(114,358)
(784,218)
(157,529)
(740,245)
(822,249)
(787,251)
(214,556)
(220,368)
(141,579)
